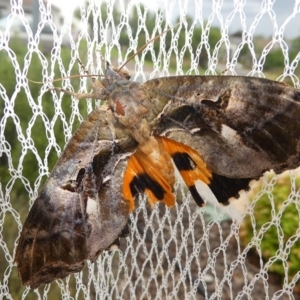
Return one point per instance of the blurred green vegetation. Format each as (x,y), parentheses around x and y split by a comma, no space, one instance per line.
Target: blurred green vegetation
(19,197)
(287,227)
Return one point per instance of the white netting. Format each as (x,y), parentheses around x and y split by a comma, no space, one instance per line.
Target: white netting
(182,253)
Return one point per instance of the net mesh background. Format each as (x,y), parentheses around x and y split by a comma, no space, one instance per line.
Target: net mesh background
(179,253)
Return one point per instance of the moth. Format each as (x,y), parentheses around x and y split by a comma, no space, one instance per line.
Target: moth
(221,131)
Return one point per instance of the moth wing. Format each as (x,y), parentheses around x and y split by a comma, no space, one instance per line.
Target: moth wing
(241,126)
(193,170)
(150,172)
(80,210)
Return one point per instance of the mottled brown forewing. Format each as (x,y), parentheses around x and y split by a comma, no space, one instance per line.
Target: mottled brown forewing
(241,126)
(80,210)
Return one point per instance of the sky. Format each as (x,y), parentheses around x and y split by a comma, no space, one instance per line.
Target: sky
(282,10)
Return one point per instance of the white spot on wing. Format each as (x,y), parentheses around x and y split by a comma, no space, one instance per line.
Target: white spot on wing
(235,209)
(107,178)
(195,130)
(192,163)
(177,175)
(91,207)
(205,192)
(229,133)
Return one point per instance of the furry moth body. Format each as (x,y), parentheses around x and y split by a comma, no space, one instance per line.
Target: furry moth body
(222,130)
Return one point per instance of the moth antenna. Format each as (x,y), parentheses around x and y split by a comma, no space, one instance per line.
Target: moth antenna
(82,66)
(63,78)
(144,46)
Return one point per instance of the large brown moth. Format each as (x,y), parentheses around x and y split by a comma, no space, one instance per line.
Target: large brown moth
(223,131)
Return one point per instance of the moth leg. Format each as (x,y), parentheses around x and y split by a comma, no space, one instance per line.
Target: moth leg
(79,96)
(96,84)
(97,87)
(224,71)
(82,66)
(124,234)
(86,72)
(126,230)
(115,245)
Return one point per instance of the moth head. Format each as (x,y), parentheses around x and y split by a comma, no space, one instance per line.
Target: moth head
(112,74)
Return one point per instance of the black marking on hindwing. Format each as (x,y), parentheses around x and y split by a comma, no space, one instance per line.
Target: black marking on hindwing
(198,199)
(222,187)
(141,182)
(225,188)
(183,161)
